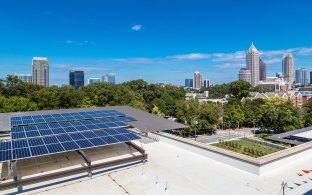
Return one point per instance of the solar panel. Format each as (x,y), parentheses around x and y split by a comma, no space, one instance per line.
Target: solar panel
(54,133)
(48,118)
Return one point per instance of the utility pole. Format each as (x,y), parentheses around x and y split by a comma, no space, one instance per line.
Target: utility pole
(284,184)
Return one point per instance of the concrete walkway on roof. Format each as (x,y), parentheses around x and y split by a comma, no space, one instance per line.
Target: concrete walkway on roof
(186,172)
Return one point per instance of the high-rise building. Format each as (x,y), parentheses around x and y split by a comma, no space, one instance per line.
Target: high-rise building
(253,63)
(302,76)
(288,68)
(196,80)
(27,78)
(244,75)
(188,83)
(206,83)
(76,78)
(94,80)
(109,78)
(262,70)
(311,77)
(40,71)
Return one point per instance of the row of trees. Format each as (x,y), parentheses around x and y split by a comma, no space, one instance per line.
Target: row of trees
(273,114)
(16,95)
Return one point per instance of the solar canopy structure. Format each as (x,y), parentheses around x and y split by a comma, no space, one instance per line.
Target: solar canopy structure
(39,135)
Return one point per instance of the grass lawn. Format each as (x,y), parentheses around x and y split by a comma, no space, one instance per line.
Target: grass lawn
(246,147)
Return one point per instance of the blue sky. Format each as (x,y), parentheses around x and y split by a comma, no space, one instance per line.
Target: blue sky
(157,40)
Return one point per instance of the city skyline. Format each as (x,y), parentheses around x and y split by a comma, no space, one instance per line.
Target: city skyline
(140,43)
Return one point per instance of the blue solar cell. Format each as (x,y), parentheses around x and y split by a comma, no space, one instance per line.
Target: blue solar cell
(84,143)
(102,126)
(97,141)
(91,127)
(109,139)
(81,128)
(121,124)
(5,155)
(86,122)
(37,121)
(54,125)
(121,130)
(30,128)
(58,131)
(17,129)
(37,117)
(20,143)
(76,136)
(47,116)
(50,120)
(131,136)
(64,138)
(53,148)
(41,127)
(16,118)
(100,133)
(21,153)
(121,138)
(18,135)
(45,132)
(65,124)
(32,133)
(111,124)
(111,132)
(70,129)
(35,142)
(75,123)
(88,134)
(38,150)
(70,145)
(5,145)
(50,140)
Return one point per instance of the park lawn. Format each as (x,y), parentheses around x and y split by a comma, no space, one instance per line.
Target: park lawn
(246,144)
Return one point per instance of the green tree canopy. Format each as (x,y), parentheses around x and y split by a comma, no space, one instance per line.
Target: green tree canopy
(239,89)
(280,115)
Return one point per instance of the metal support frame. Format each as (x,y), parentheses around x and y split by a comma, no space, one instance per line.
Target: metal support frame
(86,159)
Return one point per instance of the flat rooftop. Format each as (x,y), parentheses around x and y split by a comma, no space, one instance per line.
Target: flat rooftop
(183,172)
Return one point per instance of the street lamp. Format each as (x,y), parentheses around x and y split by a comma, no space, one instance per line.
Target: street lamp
(195,122)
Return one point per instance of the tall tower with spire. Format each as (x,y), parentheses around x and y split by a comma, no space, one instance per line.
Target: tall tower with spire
(253,64)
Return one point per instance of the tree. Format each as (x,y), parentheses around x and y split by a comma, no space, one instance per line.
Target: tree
(157,112)
(252,111)
(219,91)
(86,103)
(279,115)
(307,113)
(239,89)
(16,104)
(233,114)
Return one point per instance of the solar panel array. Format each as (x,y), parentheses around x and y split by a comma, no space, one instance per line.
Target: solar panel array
(49,118)
(62,136)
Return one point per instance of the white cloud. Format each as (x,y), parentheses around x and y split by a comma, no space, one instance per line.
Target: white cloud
(136,27)
(79,43)
(191,56)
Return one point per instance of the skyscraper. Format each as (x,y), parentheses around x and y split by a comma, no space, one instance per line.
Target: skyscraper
(27,78)
(288,68)
(94,80)
(76,78)
(40,71)
(302,76)
(196,80)
(244,75)
(253,63)
(109,78)
(188,83)
(206,83)
(262,70)
(311,77)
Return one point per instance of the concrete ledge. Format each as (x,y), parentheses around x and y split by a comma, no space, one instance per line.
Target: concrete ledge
(256,166)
